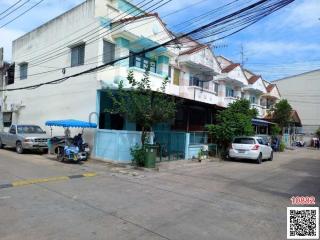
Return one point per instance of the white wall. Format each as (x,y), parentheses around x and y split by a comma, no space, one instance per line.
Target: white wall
(302,92)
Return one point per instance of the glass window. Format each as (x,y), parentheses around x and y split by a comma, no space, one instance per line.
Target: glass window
(29,129)
(253,99)
(142,62)
(23,71)
(229,92)
(216,87)
(7,119)
(77,55)
(108,52)
(13,130)
(195,81)
(244,140)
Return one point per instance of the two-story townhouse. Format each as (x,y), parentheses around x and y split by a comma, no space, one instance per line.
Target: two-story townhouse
(93,33)
(231,81)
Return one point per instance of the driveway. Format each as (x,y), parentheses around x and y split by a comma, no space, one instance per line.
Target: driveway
(44,199)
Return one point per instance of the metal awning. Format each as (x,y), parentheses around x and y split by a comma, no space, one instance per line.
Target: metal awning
(260,122)
(71,123)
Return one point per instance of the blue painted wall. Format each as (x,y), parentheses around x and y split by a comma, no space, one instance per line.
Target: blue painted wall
(128,8)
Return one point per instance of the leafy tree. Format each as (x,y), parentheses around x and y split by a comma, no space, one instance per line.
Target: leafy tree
(141,105)
(275,130)
(318,132)
(231,122)
(281,113)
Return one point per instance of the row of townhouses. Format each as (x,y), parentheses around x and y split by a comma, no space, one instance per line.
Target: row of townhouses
(93,33)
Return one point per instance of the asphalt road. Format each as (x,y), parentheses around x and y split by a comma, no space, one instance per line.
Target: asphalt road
(184,200)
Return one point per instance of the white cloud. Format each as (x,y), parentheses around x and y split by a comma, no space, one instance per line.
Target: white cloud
(279,48)
(7,35)
(305,14)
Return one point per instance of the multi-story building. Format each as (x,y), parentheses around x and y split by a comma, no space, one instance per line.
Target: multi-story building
(97,32)
(303,92)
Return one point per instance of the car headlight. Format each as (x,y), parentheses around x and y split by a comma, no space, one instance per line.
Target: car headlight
(28,140)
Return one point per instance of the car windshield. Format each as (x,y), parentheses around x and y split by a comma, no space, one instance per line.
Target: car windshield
(244,140)
(29,129)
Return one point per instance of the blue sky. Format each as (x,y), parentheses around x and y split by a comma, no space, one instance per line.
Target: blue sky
(284,43)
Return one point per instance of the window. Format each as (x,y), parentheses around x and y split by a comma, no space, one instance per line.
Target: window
(195,81)
(140,61)
(77,55)
(169,71)
(253,99)
(108,52)
(216,87)
(229,92)
(244,141)
(7,119)
(13,130)
(23,71)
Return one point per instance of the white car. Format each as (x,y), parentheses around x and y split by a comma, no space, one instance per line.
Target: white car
(254,148)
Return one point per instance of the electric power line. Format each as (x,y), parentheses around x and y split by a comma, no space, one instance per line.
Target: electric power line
(29,9)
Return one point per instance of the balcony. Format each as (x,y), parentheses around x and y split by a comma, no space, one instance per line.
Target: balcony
(111,76)
(198,94)
(262,110)
(229,100)
(198,60)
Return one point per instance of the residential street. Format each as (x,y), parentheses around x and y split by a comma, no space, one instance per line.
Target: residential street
(212,200)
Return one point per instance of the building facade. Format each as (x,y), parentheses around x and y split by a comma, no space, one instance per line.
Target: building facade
(98,32)
(303,93)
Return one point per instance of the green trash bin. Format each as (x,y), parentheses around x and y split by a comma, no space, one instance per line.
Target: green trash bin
(150,157)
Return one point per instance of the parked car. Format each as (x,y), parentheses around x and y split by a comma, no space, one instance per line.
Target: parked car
(254,148)
(23,137)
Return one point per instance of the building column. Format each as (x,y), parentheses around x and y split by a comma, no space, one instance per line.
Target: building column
(247,95)
(222,89)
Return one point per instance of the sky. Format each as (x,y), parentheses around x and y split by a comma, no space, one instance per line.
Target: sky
(284,43)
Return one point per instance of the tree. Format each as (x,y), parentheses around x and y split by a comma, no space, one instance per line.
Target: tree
(141,105)
(281,113)
(231,122)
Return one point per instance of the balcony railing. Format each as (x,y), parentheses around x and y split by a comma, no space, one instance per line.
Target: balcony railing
(261,109)
(229,100)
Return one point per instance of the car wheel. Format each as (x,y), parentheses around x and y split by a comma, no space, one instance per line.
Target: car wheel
(259,159)
(19,148)
(271,156)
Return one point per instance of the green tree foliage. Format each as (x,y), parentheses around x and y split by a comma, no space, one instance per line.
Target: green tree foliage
(141,105)
(281,113)
(275,130)
(318,132)
(233,121)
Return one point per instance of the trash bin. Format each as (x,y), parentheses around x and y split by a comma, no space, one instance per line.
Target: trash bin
(150,157)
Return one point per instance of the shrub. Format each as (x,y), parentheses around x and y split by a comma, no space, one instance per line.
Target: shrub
(138,155)
(282,146)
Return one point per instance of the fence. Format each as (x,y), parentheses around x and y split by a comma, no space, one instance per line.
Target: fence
(115,145)
(172,145)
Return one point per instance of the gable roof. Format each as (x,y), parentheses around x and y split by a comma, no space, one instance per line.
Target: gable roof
(230,67)
(270,87)
(193,50)
(253,79)
(146,15)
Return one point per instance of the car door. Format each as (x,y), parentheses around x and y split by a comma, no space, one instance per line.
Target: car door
(263,148)
(12,136)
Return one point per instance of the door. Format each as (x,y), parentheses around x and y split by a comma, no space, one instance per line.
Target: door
(12,136)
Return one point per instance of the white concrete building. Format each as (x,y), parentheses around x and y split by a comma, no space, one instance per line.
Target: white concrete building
(303,93)
(97,32)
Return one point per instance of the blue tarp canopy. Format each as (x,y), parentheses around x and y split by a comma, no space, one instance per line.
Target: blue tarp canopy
(70,123)
(260,122)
